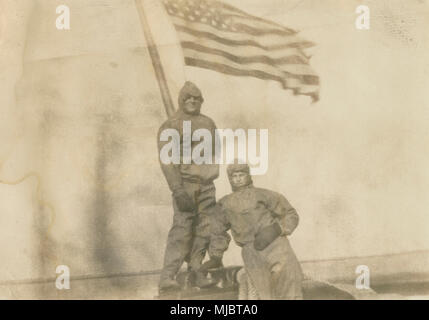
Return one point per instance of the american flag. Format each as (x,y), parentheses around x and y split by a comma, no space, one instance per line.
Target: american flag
(220,37)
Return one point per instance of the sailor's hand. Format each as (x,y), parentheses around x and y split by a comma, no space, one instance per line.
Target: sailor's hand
(266,236)
(183,201)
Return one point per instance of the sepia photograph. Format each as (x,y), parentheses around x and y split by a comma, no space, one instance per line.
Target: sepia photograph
(214,150)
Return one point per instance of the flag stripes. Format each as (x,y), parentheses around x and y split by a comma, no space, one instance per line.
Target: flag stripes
(268,42)
(235,40)
(222,38)
(290,59)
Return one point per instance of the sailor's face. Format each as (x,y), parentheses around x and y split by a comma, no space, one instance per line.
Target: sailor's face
(193,105)
(239,179)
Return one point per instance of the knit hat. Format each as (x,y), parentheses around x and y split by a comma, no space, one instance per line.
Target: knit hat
(189,89)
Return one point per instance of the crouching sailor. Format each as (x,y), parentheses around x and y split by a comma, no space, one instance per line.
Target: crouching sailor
(260,221)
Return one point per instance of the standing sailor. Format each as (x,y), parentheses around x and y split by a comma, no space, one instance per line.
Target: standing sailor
(193,192)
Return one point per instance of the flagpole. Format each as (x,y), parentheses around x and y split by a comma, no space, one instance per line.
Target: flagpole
(156,61)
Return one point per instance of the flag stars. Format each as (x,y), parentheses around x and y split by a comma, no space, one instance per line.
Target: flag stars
(200,11)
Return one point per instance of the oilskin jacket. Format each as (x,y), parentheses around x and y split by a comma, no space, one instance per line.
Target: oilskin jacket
(176,174)
(274,271)
(247,211)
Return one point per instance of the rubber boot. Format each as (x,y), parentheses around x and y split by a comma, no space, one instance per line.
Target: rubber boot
(168,284)
(201,281)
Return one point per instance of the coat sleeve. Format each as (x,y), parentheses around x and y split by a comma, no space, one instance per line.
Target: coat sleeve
(219,237)
(170,171)
(282,210)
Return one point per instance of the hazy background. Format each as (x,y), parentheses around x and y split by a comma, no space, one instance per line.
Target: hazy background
(81,108)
